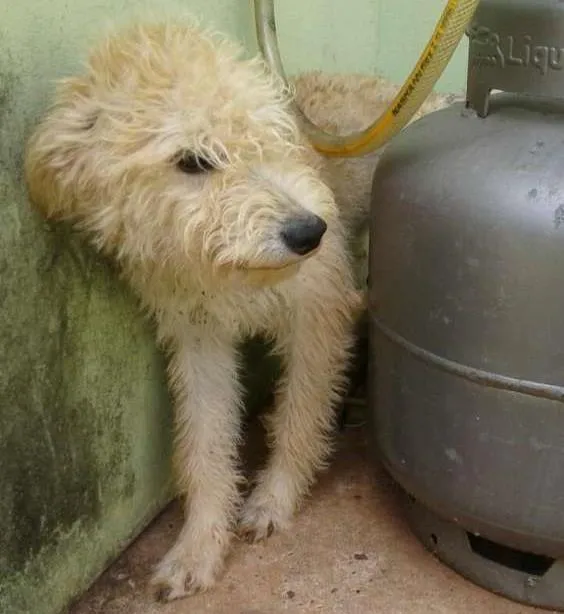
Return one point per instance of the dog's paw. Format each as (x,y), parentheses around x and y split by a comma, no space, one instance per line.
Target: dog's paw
(193,564)
(177,577)
(259,520)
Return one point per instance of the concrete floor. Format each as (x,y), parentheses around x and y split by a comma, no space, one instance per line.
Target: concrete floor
(350,552)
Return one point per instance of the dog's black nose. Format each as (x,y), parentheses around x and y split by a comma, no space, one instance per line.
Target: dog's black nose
(303,234)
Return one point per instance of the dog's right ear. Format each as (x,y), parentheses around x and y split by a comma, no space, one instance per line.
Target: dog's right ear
(57,152)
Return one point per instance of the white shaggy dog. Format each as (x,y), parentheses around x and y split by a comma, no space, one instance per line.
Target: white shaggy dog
(184,163)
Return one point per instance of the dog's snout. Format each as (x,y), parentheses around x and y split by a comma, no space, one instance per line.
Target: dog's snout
(302,235)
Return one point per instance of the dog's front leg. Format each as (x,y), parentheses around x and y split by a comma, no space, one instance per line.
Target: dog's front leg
(316,352)
(203,375)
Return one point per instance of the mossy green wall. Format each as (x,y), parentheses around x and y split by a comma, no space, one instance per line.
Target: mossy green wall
(84,413)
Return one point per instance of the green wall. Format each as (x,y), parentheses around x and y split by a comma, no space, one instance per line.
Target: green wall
(371,36)
(377,36)
(84,413)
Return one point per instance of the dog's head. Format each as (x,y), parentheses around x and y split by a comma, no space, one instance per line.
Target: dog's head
(173,148)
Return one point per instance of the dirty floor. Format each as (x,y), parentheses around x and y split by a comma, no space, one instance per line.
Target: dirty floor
(349,552)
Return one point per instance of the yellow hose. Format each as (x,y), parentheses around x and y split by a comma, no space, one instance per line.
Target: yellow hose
(430,66)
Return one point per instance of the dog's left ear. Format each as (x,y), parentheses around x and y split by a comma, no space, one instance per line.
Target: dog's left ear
(56,151)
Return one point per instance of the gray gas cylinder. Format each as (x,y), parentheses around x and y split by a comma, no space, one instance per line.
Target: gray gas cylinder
(467,310)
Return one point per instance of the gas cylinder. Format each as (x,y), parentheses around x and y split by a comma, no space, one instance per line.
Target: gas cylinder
(466,308)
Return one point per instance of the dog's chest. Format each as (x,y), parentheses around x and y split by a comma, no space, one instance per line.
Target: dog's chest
(244,312)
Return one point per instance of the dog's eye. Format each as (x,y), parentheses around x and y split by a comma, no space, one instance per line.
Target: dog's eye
(192,164)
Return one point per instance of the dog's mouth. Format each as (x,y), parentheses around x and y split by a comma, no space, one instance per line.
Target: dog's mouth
(267,274)
(276,267)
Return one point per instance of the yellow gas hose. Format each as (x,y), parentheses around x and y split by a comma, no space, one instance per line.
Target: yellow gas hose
(430,66)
